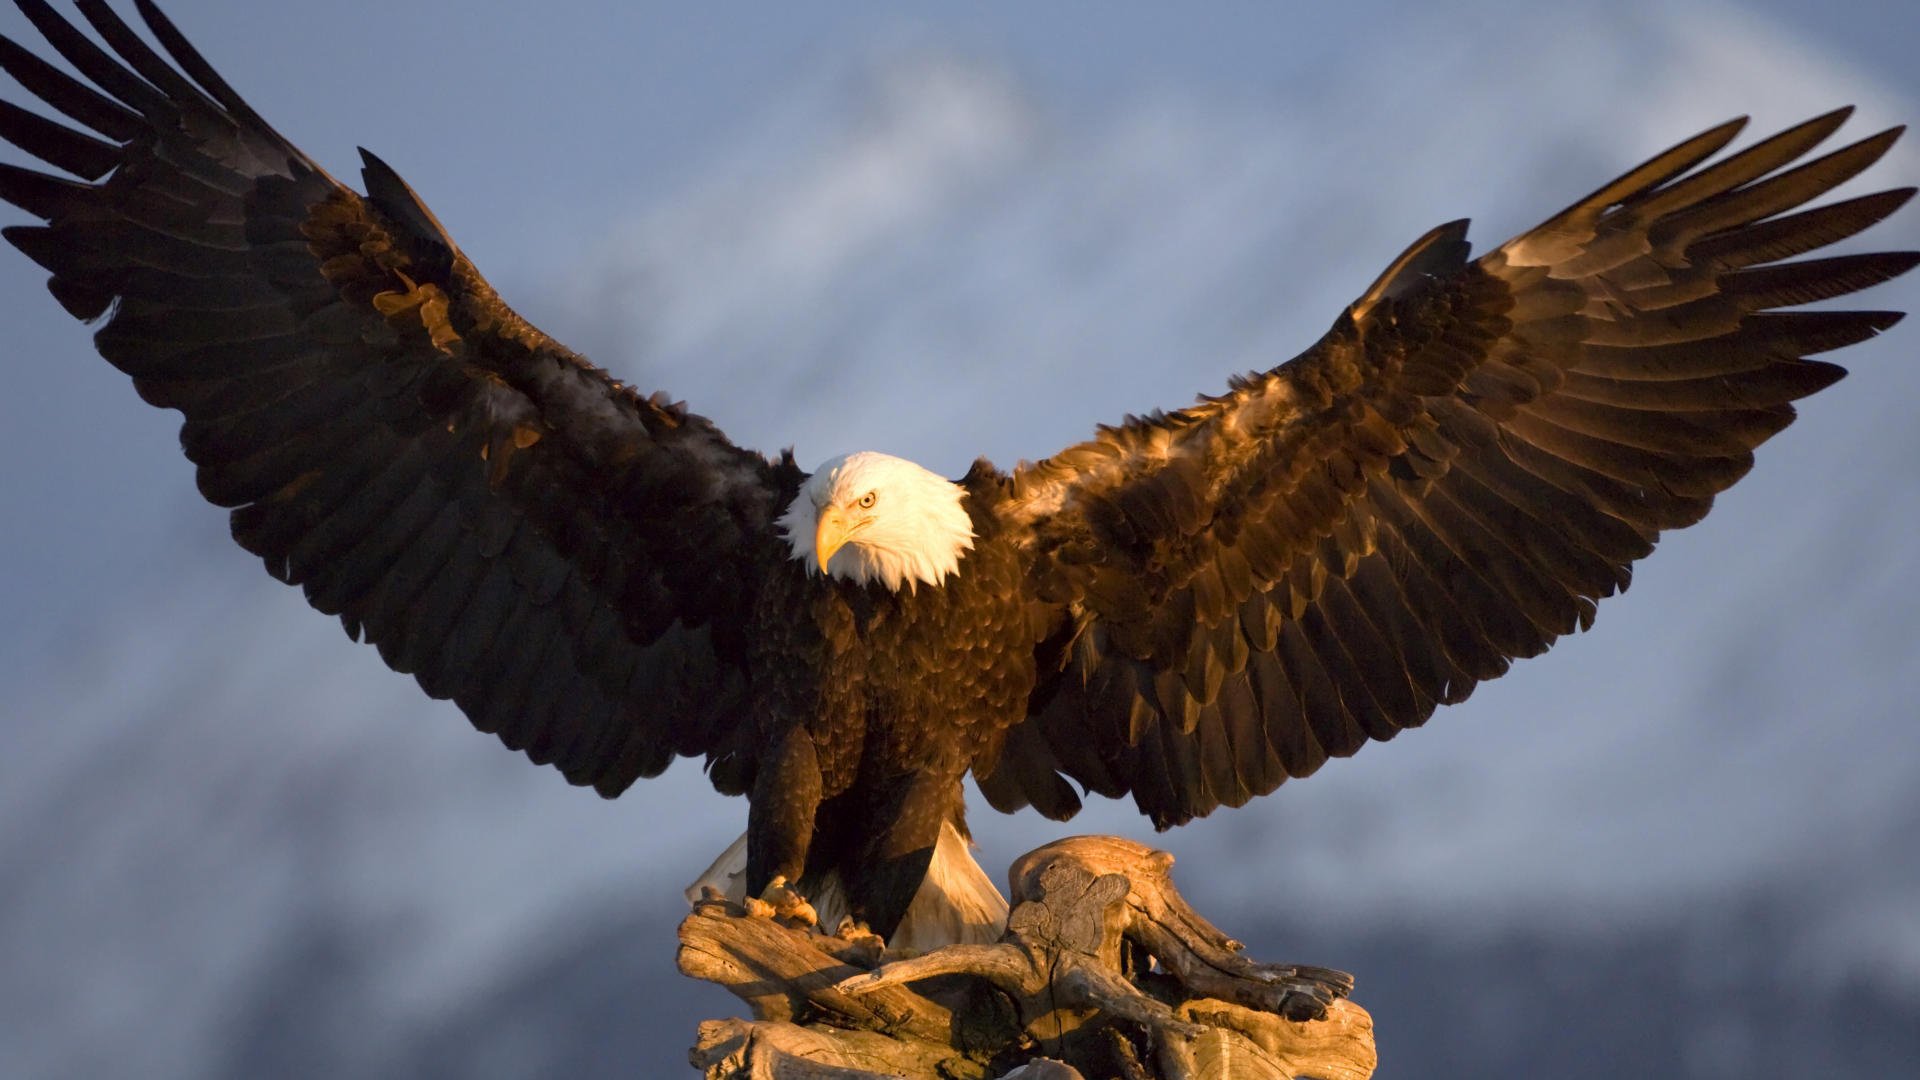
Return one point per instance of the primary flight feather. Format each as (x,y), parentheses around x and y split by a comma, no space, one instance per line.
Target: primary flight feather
(1189,608)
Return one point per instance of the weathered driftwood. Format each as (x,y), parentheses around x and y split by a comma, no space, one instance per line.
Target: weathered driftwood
(1105,970)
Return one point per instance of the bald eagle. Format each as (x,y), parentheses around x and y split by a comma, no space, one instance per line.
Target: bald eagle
(1189,608)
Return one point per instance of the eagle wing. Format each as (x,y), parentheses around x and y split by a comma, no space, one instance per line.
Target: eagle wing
(1448,480)
(558,554)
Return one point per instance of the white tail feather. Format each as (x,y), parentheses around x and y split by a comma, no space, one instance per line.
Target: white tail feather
(957,903)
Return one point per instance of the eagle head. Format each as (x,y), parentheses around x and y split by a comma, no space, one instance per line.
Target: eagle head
(872,517)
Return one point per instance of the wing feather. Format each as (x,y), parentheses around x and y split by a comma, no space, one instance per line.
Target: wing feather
(1472,457)
(565,559)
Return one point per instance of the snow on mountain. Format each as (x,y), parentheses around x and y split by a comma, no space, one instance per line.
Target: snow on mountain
(226,831)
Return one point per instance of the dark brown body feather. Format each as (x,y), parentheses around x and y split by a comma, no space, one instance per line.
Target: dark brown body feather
(1190,607)
(870,706)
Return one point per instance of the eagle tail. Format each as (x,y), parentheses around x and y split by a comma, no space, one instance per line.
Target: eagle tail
(957,903)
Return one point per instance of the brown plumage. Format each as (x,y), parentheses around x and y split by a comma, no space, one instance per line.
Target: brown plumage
(1190,607)
(1447,481)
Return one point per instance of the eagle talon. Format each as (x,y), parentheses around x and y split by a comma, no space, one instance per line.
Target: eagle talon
(866,945)
(781,903)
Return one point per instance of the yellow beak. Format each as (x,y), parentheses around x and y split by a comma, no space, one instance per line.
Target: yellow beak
(829,535)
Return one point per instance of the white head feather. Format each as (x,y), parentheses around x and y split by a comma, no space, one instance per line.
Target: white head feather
(901,524)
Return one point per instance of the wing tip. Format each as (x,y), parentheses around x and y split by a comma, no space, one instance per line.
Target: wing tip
(1718,136)
(397,199)
(1440,249)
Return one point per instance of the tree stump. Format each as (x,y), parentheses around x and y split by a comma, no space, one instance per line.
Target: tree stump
(1104,971)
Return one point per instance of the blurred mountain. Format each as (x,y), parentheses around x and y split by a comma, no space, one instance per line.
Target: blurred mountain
(233,844)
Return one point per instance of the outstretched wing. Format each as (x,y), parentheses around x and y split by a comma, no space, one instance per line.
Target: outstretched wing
(561,556)
(1448,480)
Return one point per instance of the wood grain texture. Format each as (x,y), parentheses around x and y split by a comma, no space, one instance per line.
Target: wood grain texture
(1105,970)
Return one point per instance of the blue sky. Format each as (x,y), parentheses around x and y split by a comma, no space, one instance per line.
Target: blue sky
(948,231)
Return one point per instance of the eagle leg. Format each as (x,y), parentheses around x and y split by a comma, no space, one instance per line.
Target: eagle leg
(881,895)
(894,863)
(780,817)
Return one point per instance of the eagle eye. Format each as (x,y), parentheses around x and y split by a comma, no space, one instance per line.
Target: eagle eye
(867,500)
